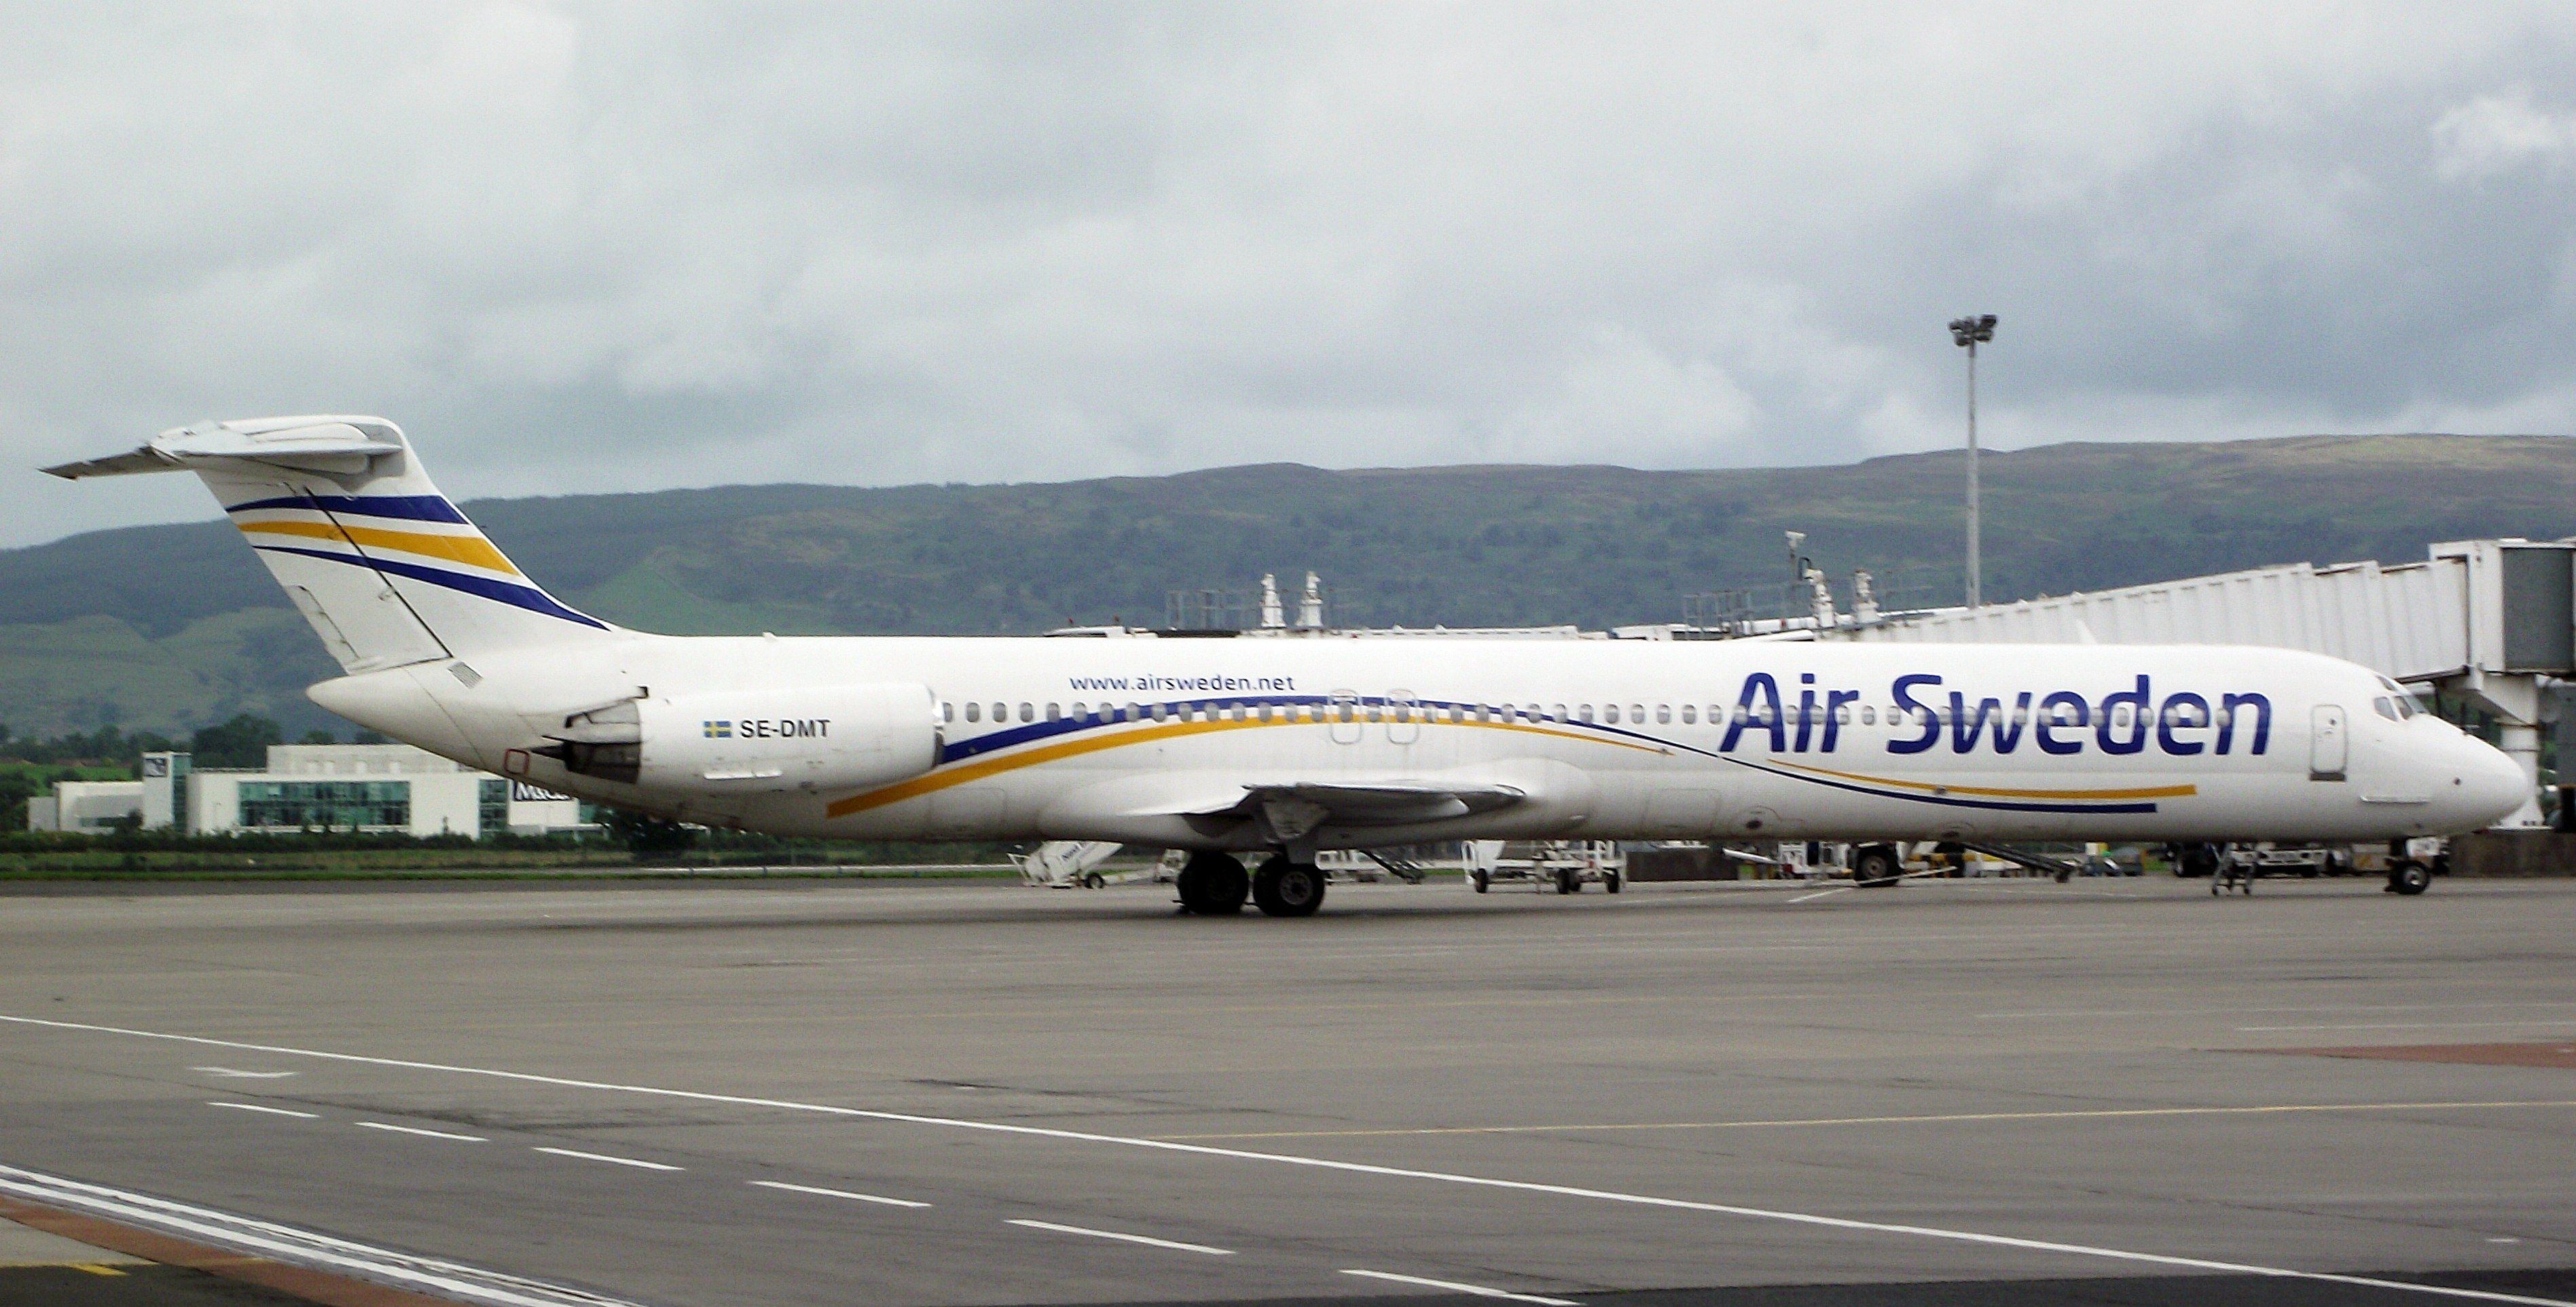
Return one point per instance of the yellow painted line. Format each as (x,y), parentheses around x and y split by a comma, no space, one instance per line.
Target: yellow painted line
(2155,792)
(95,1268)
(976,771)
(2272,1109)
(473,551)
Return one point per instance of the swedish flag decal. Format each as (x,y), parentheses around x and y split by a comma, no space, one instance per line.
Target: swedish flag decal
(719,730)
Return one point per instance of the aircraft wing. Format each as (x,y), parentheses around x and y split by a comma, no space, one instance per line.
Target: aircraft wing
(1294,808)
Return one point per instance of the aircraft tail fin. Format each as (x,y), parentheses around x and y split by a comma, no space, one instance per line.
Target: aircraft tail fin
(384,567)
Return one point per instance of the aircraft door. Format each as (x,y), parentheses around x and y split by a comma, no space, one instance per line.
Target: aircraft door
(1403,717)
(2329,743)
(1342,716)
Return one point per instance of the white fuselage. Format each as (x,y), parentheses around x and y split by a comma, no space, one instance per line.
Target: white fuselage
(1149,741)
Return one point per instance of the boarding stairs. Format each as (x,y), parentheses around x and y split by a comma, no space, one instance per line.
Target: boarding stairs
(1066,864)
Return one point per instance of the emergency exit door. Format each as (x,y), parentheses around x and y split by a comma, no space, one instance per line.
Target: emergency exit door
(2328,743)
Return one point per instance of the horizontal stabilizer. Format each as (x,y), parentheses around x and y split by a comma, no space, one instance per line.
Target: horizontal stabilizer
(338,445)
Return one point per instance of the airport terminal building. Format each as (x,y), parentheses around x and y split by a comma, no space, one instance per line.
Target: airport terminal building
(367,788)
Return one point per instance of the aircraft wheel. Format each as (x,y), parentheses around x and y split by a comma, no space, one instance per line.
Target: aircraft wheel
(1611,882)
(1569,881)
(1213,885)
(1876,867)
(2410,877)
(1288,889)
(1094,880)
(1481,880)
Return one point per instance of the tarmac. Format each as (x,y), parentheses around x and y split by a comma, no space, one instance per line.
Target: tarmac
(1969,1092)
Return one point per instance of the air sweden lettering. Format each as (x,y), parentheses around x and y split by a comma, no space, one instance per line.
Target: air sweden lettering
(2059,722)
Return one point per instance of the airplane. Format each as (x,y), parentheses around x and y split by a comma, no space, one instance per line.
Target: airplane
(1278,748)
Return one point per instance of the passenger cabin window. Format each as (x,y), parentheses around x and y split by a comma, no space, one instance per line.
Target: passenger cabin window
(947,712)
(1609,713)
(974,712)
(1585,712)
(1054,712)
(1028,712)
(1637,713)
(1690,713)
(1868,716)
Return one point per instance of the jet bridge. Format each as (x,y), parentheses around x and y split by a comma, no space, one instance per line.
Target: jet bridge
(2493,621)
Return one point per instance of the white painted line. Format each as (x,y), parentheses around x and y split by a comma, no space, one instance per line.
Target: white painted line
(272,1111)
(242,1075)
(1822,893)
(837,1193)
(1127,1238)
(416,1130)
(1476,1289)
(287,1243)
(2415,1025)
(1322,1164)
(603,1157)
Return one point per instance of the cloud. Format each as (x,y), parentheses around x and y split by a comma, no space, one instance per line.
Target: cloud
(2495,133)
(627,246)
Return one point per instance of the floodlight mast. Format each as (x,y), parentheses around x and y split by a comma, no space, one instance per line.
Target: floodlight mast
(1966,333)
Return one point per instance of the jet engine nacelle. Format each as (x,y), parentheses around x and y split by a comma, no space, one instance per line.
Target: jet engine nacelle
(831,737)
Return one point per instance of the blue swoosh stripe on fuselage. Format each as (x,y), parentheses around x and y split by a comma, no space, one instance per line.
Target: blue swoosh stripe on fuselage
(409,508)
(1018,735)
(517,596)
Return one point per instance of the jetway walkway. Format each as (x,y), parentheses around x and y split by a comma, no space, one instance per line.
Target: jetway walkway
(2490,620)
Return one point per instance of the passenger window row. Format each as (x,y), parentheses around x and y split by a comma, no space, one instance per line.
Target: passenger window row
(1611,714)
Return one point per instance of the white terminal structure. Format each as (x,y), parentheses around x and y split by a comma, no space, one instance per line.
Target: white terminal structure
(366,788)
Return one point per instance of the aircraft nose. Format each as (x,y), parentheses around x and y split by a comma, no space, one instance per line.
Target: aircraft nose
(2495,783)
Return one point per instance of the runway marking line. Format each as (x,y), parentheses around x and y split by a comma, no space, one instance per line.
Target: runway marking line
(417,1130)
(272,1111)
(2415,1025)
(229,1073)
(1809,1219)
(838,1193)
(604,1157)
(2108,1112)
(1454,1286)
(1173,1244)
(1822,893)
(241,1248)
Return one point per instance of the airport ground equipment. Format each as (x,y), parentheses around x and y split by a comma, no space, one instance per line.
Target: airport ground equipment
(1066,864)
(1565,866)
(2408,864)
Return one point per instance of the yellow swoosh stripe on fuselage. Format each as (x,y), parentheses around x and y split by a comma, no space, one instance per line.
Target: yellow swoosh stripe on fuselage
(1046,753)
(1929,787)
(473,551)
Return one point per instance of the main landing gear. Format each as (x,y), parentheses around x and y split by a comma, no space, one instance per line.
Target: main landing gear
(1287,889)
(1214,885)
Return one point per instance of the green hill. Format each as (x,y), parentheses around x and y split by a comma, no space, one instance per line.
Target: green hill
(171,627)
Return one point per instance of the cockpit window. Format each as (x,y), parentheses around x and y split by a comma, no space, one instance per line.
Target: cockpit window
(2387,708)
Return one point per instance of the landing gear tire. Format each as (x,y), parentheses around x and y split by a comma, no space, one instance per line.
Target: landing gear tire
(2409,877)
(1876,867)
(1288,889)
(1094,880)
(1481,881)
(1213,885)
(1569,881)
(1612,882)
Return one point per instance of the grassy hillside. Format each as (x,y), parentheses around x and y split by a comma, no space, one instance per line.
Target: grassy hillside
(172,627)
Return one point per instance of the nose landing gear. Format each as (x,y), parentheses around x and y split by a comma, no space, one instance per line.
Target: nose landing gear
(2409,877)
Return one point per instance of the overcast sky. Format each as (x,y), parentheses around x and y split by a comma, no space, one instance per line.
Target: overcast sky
(629,247)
